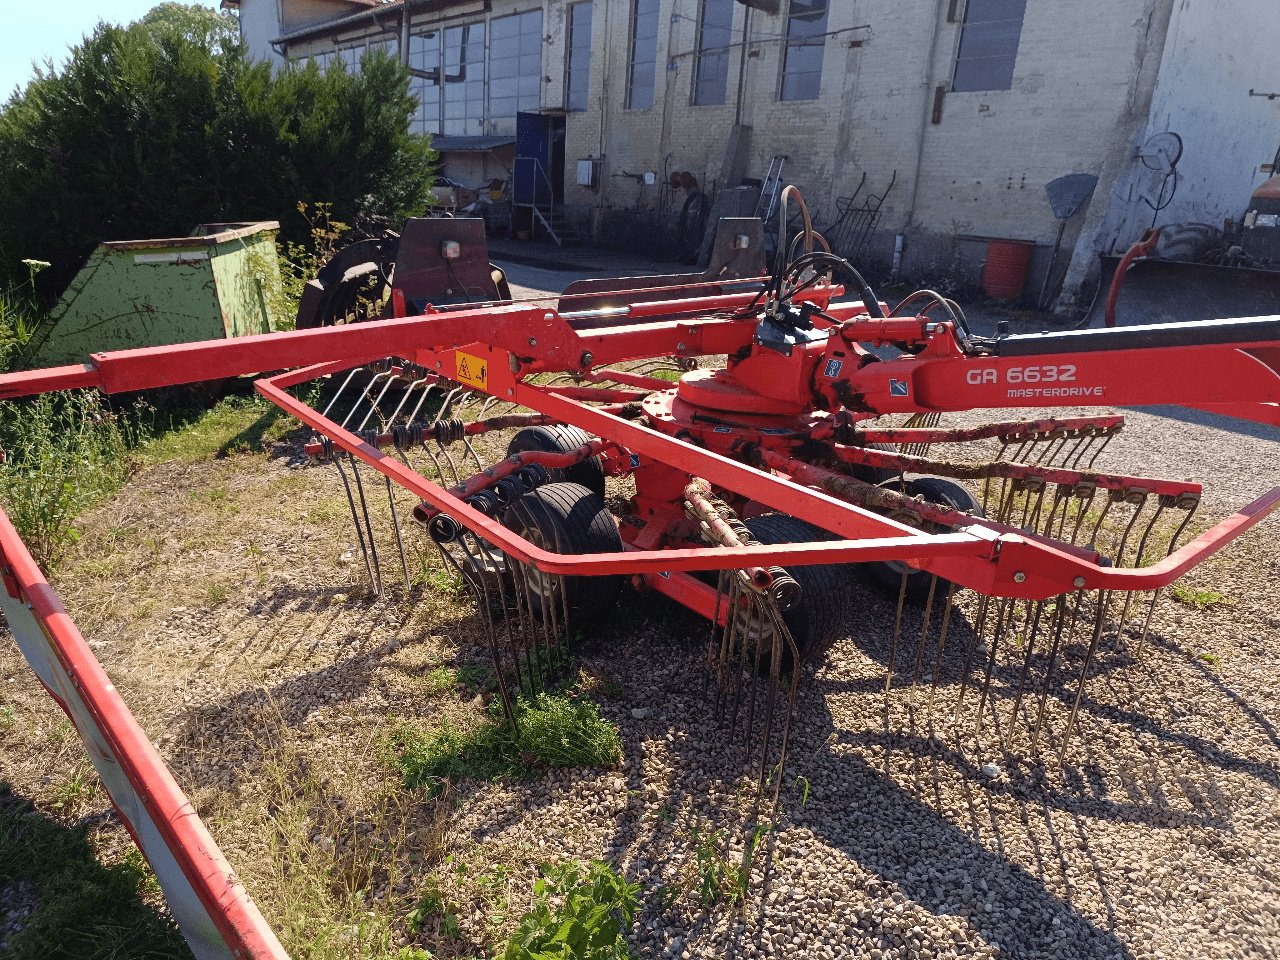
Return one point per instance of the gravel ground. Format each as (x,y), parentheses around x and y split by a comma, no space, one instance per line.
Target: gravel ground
(896,840)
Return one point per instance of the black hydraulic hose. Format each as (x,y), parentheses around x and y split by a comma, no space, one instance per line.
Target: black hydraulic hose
(837,264)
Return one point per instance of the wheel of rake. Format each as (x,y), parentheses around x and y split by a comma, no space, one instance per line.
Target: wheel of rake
(869,474)
(562,439)
(817,621)
(566,518)
(944,493)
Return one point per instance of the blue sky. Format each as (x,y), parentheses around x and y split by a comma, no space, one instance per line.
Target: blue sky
(31,30)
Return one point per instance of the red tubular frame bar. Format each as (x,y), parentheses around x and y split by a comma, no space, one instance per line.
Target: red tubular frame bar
(207,872)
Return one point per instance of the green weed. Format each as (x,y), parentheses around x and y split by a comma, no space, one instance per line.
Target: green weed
(434,913)
(63,454)
(7,717)
(442,680)
(719,879)
(85,909)
(1200,599)
(552,730)
(579,913)
(1212,659)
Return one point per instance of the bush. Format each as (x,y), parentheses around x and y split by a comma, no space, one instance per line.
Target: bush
(152,128)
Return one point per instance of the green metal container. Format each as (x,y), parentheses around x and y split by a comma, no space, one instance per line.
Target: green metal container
(221,281)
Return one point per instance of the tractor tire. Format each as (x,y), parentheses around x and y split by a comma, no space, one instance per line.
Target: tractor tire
(889,573)
(562,439)
(817,621)
(567,518)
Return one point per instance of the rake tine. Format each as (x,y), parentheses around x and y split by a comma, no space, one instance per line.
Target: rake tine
(1142,548)
(948,606)
(1029,633)
(368,523)
(395,523)
(924,633)
(1059,619)
(897,631)
(355,518)
(1003,607)
(980,625)
(1084,675)
(1106,441)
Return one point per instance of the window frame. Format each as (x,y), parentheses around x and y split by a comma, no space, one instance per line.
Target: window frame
(568,60)
(722,52)
(788,44)
(961,61)
(629,98)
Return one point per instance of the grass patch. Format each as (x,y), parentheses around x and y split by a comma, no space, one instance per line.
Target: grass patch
(82,908)
(63,454)
(331,870)
(579,913)
(552,730)
(233,425)
(1200,599)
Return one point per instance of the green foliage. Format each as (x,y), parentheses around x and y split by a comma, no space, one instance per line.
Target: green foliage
(152,128)
(1200,599)
(82,909)
(552,730)
(579,913)
(63,454)
(718,878)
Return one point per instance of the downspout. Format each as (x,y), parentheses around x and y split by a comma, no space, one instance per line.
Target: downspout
(926,114)
(742,66)
(404,34)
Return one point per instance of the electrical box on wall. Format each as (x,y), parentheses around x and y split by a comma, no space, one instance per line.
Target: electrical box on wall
(589,173)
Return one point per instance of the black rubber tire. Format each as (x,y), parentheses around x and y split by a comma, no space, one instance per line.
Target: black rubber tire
(569,518)
(945,493)
(561,438)
(818,620)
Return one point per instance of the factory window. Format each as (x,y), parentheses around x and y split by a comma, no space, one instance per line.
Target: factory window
(424,81)
(988,45)
(644,54)
(802,52)
(515,68)
(711,67)
(350,58)
(577,92)
(464,94)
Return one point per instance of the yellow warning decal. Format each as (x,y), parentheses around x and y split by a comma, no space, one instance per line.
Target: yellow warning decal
(472,370)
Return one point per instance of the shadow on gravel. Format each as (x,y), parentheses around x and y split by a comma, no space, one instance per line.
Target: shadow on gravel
(1202,418)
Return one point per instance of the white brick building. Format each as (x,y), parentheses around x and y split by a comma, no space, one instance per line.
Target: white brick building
(962,110)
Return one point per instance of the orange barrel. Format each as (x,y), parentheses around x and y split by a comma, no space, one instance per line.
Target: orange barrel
(1006,268)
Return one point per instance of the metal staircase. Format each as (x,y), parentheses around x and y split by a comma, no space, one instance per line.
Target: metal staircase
(541,203)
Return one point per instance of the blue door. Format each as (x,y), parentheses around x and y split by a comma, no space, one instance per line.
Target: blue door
(531,179)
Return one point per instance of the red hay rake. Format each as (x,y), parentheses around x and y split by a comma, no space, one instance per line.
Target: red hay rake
(764,490)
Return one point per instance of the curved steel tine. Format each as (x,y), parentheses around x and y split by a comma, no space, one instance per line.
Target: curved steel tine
(1059,621)
(893,642)
(334,399)
(925,622)
(395,523)
(1084,676)
(355,517)
(1030,630)
(1004,612)
(1106,441)
(948,605)
(1155,595)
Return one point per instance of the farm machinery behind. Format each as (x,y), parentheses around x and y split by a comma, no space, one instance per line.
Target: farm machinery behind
(763,451)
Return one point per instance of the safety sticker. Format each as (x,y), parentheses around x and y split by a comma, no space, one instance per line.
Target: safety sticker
(899,388)
(472,370)
(832,369)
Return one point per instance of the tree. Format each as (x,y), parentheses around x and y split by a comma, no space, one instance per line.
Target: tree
(215,30)
(151,129)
